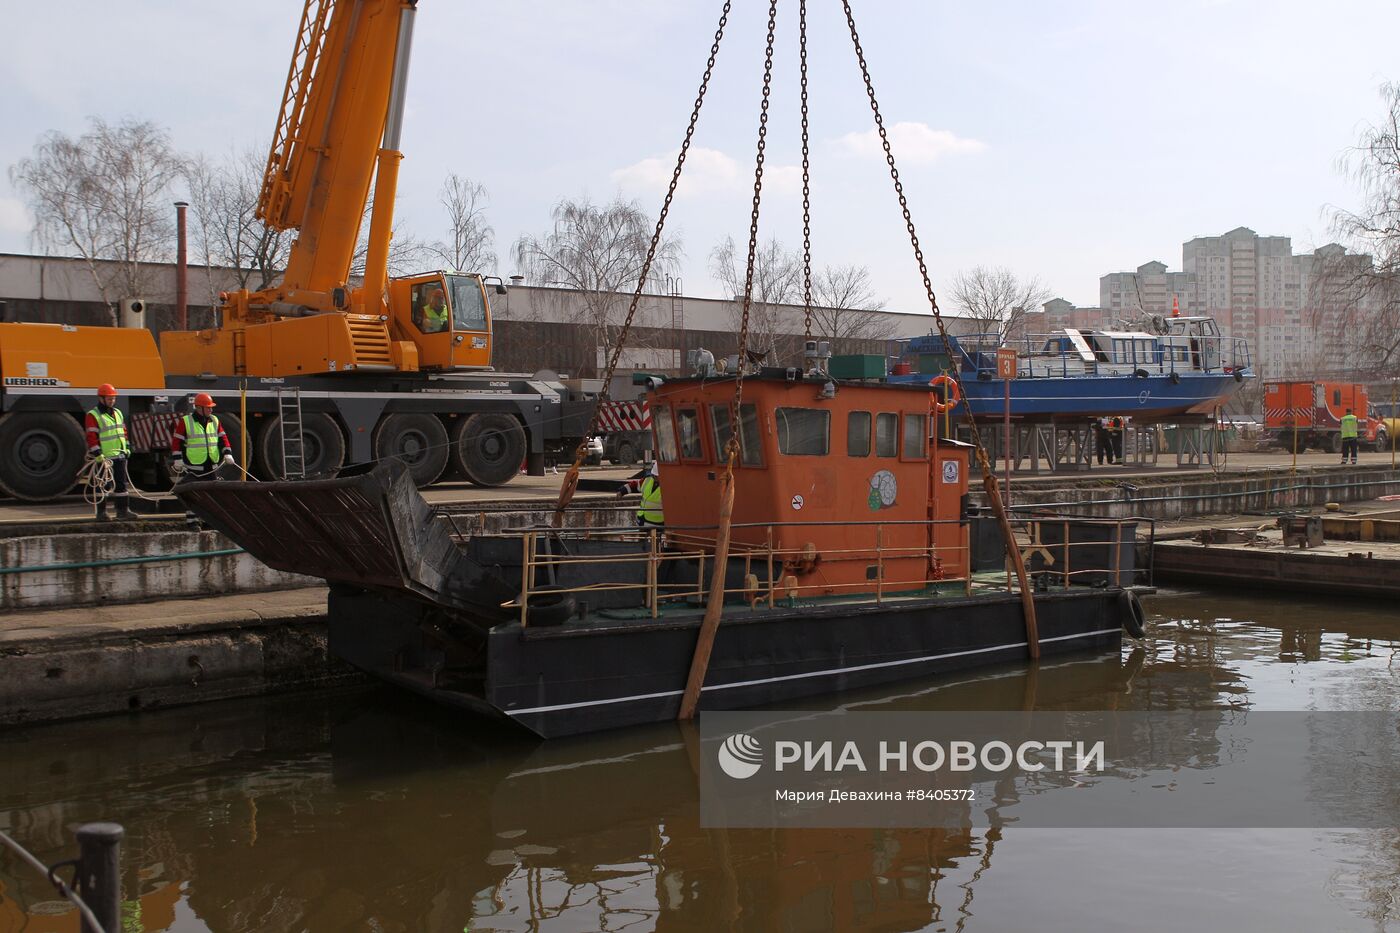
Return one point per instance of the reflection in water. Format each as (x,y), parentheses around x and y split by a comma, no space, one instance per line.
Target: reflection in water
(368,810)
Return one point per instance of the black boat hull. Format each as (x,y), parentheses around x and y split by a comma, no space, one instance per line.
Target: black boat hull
(579,677)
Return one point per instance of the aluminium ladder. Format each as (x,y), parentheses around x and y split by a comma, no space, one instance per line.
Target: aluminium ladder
(289,426)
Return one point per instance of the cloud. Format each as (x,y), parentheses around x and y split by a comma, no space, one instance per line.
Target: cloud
(912,142)
(707,172)
(14,216)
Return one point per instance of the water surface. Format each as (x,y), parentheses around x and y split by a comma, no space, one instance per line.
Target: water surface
(365,809)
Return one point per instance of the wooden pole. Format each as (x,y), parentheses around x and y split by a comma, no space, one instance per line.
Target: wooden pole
(714,608)
(992,487)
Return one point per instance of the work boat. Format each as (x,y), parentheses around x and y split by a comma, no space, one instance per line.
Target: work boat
(849,566)
(1160,367)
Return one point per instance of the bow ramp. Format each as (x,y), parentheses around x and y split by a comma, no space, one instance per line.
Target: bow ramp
(368,527)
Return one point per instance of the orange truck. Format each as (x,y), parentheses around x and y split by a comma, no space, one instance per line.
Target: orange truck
(329,370)
(1310,414)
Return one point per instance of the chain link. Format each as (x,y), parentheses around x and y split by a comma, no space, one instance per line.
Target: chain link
(731,449)
(806,178)
(914,238)
(570,484)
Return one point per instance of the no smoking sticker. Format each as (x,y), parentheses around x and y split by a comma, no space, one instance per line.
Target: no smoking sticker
(797,503)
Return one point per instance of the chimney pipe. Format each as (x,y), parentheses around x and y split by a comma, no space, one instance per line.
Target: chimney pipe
(182,290)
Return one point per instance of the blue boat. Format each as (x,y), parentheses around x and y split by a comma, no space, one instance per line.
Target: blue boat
(1171,366)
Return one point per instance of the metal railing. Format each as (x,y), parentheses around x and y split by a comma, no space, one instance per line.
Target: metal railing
(772,572)
(1052,355)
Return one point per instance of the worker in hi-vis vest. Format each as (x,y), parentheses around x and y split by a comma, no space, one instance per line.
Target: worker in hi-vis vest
(648,483)
(435,312)
(1350,434)
(106,439)
(198,445)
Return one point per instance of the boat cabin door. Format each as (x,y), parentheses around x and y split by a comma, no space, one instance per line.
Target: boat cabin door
(1208,338)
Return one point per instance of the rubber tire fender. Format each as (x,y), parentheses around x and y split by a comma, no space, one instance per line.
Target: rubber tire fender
(548,606)
(1131,614)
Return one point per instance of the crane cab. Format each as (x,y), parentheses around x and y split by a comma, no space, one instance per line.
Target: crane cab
(445,315)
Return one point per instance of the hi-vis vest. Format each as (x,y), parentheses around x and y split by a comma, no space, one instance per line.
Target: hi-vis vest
(435,318)
(111,431)
(650,510)
(1349,426)
(201,440)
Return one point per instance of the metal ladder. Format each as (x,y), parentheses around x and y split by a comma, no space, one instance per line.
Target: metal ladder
(289,425)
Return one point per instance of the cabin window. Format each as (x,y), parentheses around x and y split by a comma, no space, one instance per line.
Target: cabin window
(1336,396)
(688,430)
(665,433)
(750,449)
(803,432)
(915,437)
(886,434)
(468,303)
(429,308)
(858,434)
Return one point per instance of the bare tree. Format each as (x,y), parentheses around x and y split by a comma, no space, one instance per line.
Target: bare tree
(777,284)
(842,301)
(997,299)
(468,247)
(226,232)
(597,251)
(1374,228)
(104,195)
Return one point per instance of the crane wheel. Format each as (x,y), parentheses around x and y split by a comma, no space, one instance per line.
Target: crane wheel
(488,448)
(626,454)
(41,453)
(322,445)
(419,440)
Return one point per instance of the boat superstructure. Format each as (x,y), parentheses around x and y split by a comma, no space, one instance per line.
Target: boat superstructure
(1158,368)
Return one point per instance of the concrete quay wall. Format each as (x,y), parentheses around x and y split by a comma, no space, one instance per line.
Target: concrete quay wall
(73,663)
(1180,497)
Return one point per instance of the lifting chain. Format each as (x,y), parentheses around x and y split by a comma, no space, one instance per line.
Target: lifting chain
(806,179)
(989,481)
(570,484)
(913,235)
(731,449)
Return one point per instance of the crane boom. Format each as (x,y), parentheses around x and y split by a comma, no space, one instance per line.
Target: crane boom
(326,145)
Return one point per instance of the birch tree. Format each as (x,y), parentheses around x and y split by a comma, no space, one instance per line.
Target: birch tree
(105,195)
(997,299)
(598,252)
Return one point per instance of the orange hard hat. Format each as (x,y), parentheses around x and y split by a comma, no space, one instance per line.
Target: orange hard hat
(106,389)
(202,400)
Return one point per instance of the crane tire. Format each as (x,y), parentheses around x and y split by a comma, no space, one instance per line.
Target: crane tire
(487,448)
(418,440)
(322,444)
(41,453)
(1130,612)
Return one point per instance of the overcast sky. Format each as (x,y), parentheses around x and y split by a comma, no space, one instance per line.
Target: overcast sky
(1063,140)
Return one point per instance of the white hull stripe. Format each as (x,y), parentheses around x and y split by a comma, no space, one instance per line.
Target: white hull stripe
(826,673)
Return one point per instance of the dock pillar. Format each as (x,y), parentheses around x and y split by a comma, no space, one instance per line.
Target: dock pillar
(99,874)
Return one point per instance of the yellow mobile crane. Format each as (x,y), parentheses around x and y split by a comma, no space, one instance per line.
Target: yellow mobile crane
(333,370)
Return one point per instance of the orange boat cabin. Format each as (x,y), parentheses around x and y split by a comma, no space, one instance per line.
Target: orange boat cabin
(843,476)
